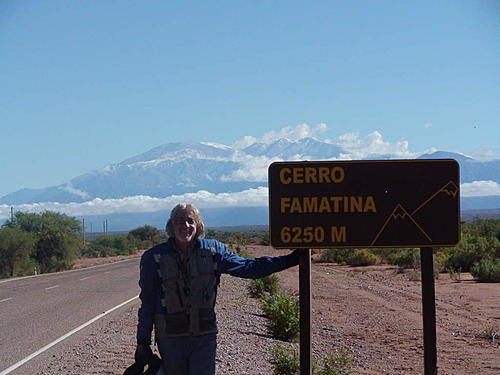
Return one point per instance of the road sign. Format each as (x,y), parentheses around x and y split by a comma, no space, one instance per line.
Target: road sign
(378,203)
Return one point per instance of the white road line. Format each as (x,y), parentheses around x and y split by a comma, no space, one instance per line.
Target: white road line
(52,287)
(85,278)
(46,347)
(57,273)
(5,299)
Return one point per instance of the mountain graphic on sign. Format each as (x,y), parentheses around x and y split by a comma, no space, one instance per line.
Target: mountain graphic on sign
(439,214)
(400,227)
(450,189)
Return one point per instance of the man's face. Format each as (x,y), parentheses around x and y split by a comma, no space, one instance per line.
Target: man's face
(184,228)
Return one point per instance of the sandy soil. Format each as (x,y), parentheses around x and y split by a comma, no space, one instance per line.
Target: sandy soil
(372,312)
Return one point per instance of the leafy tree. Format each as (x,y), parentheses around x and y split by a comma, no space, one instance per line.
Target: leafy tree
(16,246)
(57,238)
(145,236)
(104,246)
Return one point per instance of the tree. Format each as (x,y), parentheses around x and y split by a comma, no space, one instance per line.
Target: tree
(57,238)
(145,236)
(16,246)
(104,246)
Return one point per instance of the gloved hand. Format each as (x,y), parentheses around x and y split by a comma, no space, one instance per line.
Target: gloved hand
(293,257)
(143,354)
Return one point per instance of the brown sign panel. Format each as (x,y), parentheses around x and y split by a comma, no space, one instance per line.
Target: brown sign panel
(379,203)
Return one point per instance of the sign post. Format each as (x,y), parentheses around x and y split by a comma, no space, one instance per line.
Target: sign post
(428,311)
(305,312)
(366,204)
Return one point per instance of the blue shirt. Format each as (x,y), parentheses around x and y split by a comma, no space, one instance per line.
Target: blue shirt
(226,261)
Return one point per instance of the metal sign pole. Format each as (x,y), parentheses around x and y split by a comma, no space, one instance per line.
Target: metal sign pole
(305,311)
(429,311)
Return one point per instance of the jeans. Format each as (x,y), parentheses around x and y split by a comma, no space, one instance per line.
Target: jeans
(192,355)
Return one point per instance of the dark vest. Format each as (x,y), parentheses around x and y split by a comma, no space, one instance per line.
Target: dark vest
(188,292)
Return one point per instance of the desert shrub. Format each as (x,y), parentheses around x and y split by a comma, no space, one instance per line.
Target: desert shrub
(282,312)
(483,228)
(240,250)
(491,332)
(285,360)
(339,256)
(404,258)
(339,363)
(104,246)
(268,284)
(362,257)
(440,262)
(265,240)
(487,271)
(471,250)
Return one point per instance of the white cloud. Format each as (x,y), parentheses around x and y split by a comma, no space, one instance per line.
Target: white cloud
(246,141)
(485,154)
(372,145)
(142,203)
(257,197)
(69,188)
(479,189)
(253,168)
(290,132)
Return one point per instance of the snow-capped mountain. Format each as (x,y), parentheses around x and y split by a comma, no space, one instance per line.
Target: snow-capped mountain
(306,148)
(470,170)
(178,168)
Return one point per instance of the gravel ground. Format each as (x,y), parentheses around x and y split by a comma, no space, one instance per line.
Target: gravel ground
(243,344)
(372,312)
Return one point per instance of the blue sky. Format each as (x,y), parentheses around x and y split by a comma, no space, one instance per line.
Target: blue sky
(88,83)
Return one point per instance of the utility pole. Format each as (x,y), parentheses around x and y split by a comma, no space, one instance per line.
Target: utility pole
(83,225)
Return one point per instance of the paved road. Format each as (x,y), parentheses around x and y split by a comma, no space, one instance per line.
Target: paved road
(37,310)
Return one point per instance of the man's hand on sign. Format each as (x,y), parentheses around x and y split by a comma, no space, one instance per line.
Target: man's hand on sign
(293,257)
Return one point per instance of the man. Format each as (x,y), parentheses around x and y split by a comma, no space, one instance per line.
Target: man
(179,280)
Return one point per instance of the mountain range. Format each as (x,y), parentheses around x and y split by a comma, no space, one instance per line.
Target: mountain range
(179,168)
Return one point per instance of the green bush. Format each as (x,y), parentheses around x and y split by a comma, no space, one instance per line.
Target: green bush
(487,271)
(104,246)
(338,364)
(404,258)
(282,312)
(259,287)
(362,257)
(339,256)
(265,240)
(240,250)
(471,250)
(285,360)
(483,228)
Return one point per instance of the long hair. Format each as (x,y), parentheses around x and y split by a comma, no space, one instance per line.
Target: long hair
(200,226)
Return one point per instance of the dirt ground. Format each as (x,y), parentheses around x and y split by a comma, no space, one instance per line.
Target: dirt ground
(375,313)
